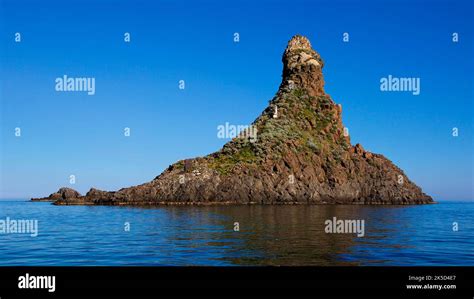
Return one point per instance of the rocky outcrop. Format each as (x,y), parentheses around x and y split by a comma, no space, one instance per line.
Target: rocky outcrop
(299,154)
(62,193)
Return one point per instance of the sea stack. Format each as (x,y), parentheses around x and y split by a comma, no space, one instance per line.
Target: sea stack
(300,155)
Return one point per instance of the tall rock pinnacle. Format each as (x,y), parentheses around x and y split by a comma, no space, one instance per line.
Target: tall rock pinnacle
(301,154)
(302,66)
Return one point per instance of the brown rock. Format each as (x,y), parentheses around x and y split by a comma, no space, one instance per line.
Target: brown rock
(62,193)
(305,140)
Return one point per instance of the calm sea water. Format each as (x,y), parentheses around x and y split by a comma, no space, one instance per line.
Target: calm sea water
(269,235)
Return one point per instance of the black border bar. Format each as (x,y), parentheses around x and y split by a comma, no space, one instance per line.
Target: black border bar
(240,282)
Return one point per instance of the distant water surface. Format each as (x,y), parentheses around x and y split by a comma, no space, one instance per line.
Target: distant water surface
(269,235)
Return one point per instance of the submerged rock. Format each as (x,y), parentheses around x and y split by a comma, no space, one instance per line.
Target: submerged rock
(300,156)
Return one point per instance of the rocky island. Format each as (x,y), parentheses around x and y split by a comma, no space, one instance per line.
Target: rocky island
(62,193)
(301,154)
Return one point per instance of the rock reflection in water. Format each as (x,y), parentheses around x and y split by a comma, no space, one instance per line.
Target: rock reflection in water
(280,235)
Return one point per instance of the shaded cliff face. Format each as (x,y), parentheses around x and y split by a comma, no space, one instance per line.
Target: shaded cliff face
(295,152)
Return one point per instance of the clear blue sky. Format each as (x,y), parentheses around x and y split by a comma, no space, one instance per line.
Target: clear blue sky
(137,84)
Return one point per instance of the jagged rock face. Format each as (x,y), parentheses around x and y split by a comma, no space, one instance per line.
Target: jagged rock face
(302,67)
(300,155)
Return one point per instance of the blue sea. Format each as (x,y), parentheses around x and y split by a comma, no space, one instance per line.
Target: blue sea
(437,234)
